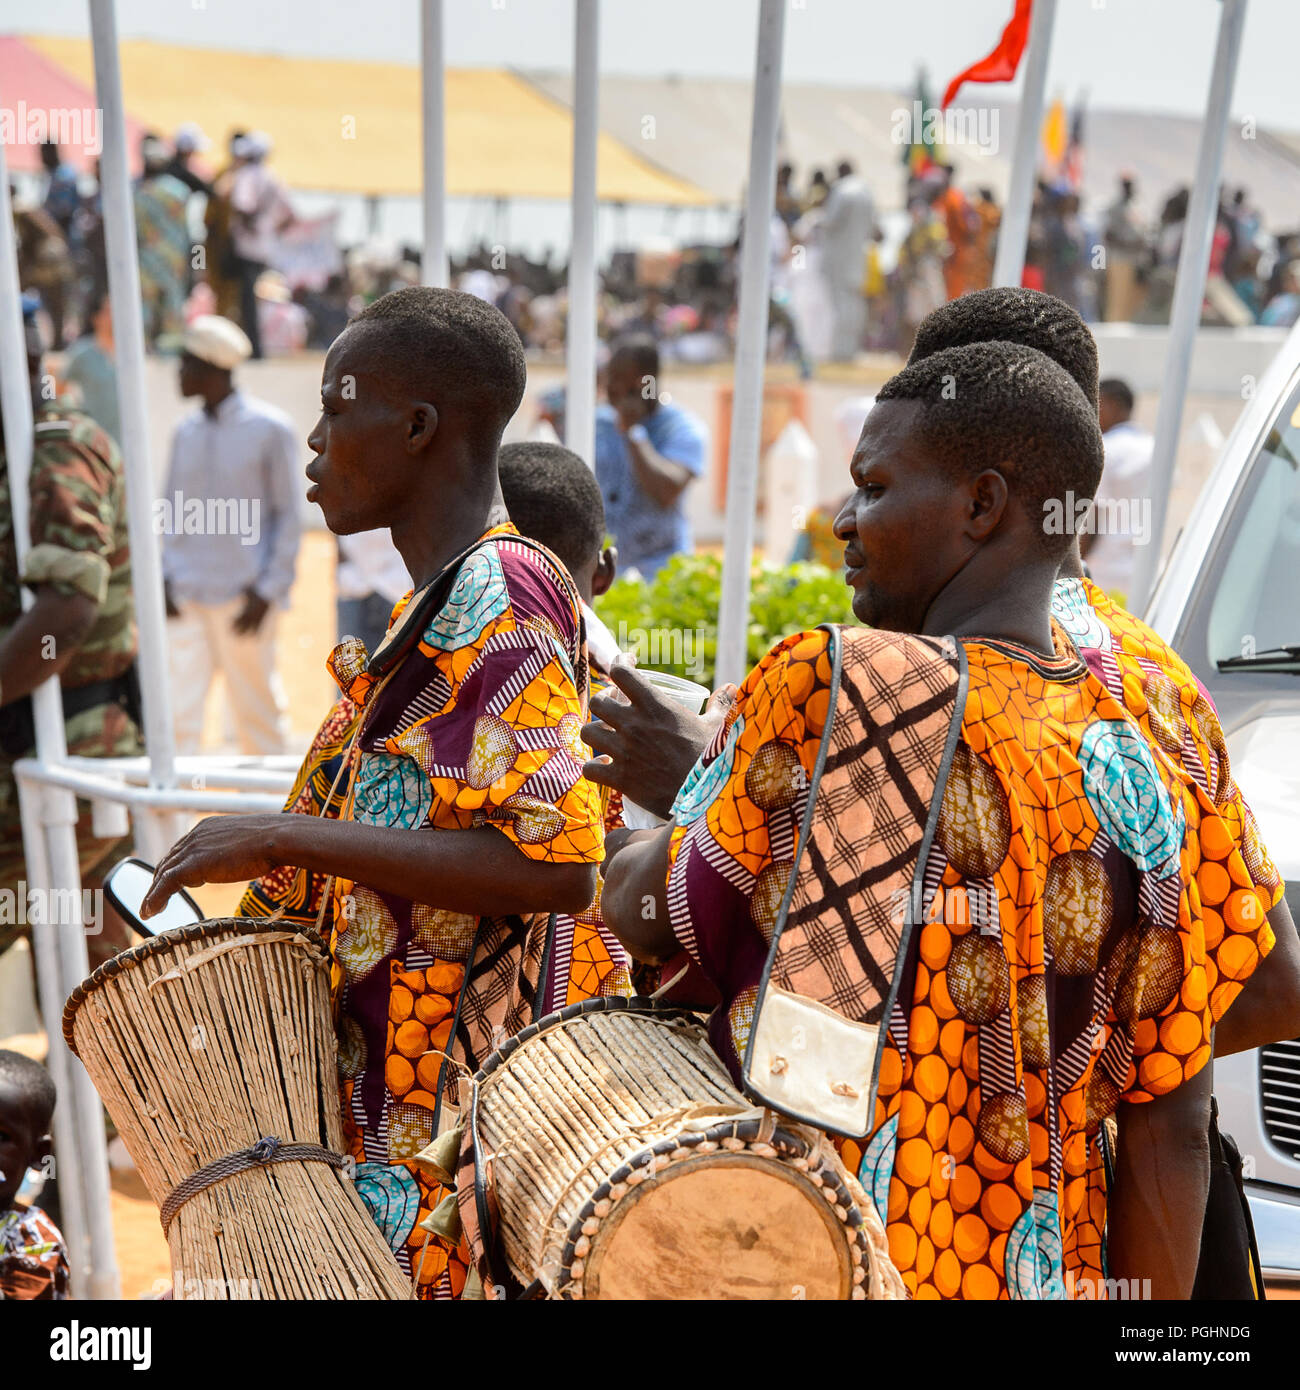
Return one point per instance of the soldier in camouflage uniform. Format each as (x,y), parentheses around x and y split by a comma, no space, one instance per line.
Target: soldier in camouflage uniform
(82,626)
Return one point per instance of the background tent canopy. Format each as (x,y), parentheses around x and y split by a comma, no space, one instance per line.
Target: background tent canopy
(344,127)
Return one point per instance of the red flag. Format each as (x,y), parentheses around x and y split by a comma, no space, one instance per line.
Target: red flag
(1001,64)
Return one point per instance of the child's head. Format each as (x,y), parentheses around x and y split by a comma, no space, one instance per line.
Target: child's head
(553,497)
(26,1106)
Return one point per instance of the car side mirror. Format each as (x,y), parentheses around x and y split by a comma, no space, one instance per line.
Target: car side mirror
(125,887)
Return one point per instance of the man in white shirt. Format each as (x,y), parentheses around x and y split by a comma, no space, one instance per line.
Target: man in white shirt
(229,521)
(1121,511)
(846,224)
(260,211)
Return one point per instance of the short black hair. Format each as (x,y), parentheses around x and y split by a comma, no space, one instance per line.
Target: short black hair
(1120,392)
(454,349)
(1008,314)
(33,1084)
(553,497)
(1011,408)
(640,349)
(95,301)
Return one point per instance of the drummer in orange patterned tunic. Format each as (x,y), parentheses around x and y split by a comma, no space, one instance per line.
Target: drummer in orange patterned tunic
(1059,968)
(1171,708)
(464,821)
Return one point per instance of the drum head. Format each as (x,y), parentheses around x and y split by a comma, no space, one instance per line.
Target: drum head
(722,1226)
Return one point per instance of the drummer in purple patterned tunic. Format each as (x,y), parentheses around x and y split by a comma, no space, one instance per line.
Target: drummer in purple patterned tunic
(471,711)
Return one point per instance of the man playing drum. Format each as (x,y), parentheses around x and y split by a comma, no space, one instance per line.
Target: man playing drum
(470,713)
(1171,707)
(941,885)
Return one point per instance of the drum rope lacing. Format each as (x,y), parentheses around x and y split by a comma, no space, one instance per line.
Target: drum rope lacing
(267,1150)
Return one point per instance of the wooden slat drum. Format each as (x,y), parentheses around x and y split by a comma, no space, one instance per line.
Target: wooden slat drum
(215,1041)
(618,1161)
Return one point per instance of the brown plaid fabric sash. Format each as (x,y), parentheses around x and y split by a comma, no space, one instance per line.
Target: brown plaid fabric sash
(841,938)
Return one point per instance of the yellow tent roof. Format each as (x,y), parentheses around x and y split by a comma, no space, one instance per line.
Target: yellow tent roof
(345,127)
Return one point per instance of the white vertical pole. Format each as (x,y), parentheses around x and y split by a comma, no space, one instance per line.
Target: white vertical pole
(64,1071)
(1013,234)
(433,268)
(16,405)
(1189,292)
(50,841)
(580,334)
(128,335)
(751,346)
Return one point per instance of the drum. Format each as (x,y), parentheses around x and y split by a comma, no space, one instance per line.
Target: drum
(614,1159)
(213,1048)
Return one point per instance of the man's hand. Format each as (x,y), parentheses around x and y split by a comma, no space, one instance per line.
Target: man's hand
(169,603)
(634,903)
(634,409)
(648,746)
(249,618)
(221,849)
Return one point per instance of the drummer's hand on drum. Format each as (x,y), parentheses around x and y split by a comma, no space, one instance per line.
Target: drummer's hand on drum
(647,745)
(220,849)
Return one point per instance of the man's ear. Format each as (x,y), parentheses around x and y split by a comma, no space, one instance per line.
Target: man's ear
(986,504)
(421,427)
(606,568)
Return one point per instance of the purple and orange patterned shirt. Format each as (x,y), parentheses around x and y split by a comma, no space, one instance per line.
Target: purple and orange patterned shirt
(479,724)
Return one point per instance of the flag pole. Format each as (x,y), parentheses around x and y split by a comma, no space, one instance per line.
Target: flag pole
(1013,235)
(1189,293)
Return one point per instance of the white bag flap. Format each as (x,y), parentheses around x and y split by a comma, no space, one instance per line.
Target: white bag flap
(812,1063)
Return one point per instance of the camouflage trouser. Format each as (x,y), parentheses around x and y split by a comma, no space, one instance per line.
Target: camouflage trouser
(102,732)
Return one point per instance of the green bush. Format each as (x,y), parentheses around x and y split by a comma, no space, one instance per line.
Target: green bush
(672,621)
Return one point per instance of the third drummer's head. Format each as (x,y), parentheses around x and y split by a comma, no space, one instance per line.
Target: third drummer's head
(553,497)
(1013,314)
(415,395)
(966,477)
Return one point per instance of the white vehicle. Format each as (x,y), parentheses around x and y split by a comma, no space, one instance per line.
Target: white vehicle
(1229,603)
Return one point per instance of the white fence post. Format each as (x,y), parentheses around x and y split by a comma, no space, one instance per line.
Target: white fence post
(751,346)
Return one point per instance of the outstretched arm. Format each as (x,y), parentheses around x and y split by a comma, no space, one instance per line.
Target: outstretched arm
(473,871)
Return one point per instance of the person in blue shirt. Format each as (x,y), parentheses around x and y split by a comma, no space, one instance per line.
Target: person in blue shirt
(647,452)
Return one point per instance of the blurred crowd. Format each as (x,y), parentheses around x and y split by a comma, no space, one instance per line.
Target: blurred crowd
(844,277)
(204,245)
(1120,266)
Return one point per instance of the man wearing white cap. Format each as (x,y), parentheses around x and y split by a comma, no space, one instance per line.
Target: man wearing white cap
(189,140)
(259,212)
(229,519)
